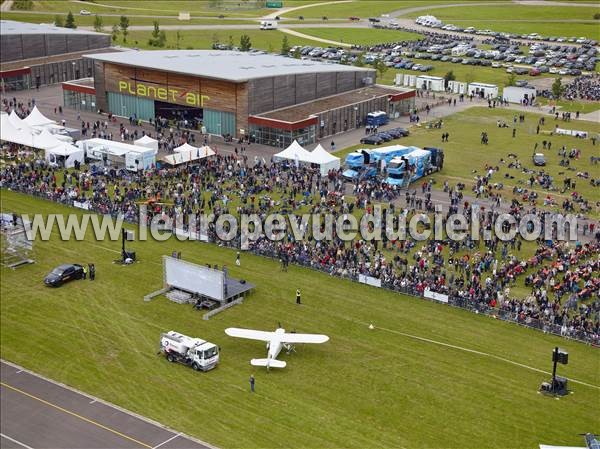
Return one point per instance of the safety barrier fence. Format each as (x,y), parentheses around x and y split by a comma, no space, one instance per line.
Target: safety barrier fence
(454,301)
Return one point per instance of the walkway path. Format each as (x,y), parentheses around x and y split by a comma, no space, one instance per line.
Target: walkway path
(6,6)
(313,38)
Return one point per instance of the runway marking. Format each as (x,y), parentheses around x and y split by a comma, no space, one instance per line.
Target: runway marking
(166,441)
(83,418)
(15,441)
(91,402)
(474,351)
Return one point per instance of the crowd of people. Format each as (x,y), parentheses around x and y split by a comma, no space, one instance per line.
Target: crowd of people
(584,87)
(473,273)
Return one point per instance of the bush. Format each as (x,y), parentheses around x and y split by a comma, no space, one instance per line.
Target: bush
(597,16)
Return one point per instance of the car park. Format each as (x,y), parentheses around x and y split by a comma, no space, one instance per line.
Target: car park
(62,274)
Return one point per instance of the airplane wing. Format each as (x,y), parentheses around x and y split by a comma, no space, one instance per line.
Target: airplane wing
(304,338)
(250,334)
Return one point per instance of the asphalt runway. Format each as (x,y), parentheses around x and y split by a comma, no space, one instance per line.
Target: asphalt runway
(37,413)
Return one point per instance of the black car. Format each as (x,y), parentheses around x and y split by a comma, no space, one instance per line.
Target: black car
(372,140)
(385,136)
(539,159)
(399,131)
(62,274)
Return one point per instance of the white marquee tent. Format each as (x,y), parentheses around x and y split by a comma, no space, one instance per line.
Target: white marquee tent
(65,154)
(25,135)
(325,160)
(148,142)
(294,152)
(36,118)
(190,154)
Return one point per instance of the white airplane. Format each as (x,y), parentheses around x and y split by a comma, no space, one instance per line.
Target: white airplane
(276,341)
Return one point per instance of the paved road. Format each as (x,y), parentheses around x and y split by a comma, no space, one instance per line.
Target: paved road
(38,413)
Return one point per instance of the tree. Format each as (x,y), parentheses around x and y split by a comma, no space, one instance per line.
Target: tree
(115,32)
(597,16)
(58,21)
(297,53)
(177,38)
(156,30)
(512,80)
(124,24)
(98,24)
(70,22)
(557,88)
(360,60)
(230,43)
(285,45)
(380,67)
(449,76)
(245,43)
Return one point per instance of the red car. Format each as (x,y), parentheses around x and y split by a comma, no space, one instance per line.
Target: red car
(354,18)
(534,72)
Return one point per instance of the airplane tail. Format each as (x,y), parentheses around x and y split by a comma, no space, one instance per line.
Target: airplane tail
(269,363)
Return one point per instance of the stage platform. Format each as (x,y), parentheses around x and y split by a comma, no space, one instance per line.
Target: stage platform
(234,289)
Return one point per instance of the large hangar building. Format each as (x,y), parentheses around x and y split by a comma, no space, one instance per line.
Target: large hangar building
(273,99)
(38,54)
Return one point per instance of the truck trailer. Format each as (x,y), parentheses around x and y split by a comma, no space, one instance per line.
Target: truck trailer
(200,354)
(415,164)
(367,163)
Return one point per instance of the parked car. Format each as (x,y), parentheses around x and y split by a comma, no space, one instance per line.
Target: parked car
(372,140)
(539,159)
(84,12)
(353,18)
(62,274)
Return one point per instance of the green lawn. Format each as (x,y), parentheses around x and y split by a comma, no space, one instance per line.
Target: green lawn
(362,387)
(198,39)
(545,20)
(464,145)
(573,106)
(109,21)
(362,9)
(165,8)
(360,36)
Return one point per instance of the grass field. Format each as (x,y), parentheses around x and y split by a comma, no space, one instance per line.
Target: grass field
(380,388)
(464,145)
(573,106)
(360,36)
(270,41)
(362,9)
(109,21)
(545,20)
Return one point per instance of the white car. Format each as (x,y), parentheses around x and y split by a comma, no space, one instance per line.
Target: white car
(84,12)
(509,70)
(563,72)
(581,40)
(495,65)
(553,70)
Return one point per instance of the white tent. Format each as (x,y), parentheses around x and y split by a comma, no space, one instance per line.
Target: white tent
(294,152)
(191,155)
(65,154)
(184,148)
(36,118)
(325,160)
(148,142)
(25,136)
(16,121)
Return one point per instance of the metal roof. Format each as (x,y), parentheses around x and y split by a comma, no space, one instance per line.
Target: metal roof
(226,65)
(8,27)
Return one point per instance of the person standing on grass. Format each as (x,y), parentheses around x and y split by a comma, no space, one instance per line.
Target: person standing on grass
(252,383)
(92,269)
(237,259)
(298,297)
(84,274)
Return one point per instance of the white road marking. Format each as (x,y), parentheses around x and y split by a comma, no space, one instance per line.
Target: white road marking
(15,441)
(20,371)
(166,441)
(474,351)
(91,402)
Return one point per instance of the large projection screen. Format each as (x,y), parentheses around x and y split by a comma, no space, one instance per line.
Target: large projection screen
(194,278)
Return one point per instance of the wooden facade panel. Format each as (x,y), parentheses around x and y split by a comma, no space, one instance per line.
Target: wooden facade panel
(171,88)
(326,84)
(34,46)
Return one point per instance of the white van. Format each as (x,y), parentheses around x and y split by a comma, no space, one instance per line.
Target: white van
(268,25)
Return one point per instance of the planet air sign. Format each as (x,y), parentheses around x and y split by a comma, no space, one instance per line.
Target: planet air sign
(166,94)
